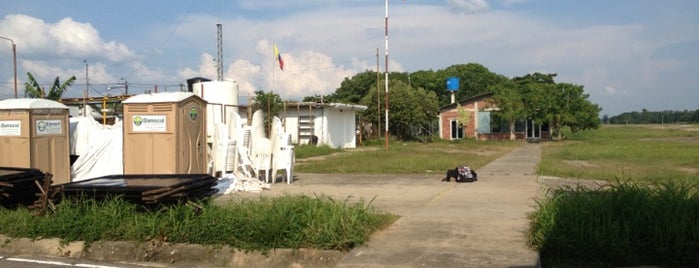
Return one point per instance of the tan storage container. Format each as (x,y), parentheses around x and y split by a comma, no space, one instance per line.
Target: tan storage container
(34,133)
(165,133)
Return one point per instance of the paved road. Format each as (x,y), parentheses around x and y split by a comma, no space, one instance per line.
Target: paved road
(442,224)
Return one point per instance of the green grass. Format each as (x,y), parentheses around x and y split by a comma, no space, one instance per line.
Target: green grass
(260,224)
(620,225)
(307,151)
(640,153)
(408,158)
(652,218)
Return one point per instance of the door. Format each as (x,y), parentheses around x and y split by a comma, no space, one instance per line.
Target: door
(192,123)
(533,130)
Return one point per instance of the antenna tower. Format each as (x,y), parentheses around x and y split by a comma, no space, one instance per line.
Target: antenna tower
(219,52)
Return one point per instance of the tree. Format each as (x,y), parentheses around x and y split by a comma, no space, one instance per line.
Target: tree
(410,109)
(561,105)
(430,81)
(353,89)
(32,89)
(474,79)
(508,98)
(463,116)
(576,112)
(271,103)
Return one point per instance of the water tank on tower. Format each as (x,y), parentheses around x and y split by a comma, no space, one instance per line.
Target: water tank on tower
(222,98)
(452,86)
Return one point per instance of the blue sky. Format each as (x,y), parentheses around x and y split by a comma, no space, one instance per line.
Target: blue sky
(628,54)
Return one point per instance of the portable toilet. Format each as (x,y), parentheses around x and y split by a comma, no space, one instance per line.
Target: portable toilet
(34,133)
(165,133)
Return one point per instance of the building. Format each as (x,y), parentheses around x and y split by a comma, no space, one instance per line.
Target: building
(320,123)
(482,125)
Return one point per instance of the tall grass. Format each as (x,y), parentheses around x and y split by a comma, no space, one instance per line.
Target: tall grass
(280,222)
(620,224)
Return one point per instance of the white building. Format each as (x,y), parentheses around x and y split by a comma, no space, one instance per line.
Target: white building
(332,124)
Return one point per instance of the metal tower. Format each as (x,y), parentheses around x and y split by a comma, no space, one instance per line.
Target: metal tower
(219,52)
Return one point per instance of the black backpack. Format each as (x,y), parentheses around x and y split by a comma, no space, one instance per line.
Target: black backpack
(466,174)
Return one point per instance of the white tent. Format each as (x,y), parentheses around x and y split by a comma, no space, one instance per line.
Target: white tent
(99,148)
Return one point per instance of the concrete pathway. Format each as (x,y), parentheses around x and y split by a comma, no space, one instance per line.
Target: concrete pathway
(477,224)
(442,224)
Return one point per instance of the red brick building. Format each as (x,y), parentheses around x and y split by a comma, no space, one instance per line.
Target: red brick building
(481,124)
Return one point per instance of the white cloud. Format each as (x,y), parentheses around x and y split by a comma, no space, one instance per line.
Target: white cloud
(58,49)
(63,39)
(468,5)
(510,3)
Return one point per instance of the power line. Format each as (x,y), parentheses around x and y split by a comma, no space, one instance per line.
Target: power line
(167,39)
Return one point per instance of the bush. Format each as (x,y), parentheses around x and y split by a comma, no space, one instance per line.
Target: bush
(620,224)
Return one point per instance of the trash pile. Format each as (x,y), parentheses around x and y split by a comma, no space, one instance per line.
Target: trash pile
(20,186)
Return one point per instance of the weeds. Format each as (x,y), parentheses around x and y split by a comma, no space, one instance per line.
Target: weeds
(260,224)
(620,224)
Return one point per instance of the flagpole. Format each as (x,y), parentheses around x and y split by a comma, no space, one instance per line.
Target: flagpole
(274,60)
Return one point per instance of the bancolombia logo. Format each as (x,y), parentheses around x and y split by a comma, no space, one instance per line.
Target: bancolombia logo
(137,121)
(193,113)
(155,123)
(49,127)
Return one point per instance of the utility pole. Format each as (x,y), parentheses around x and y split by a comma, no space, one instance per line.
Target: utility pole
(126,86)
(85,93)
(378,94)
(386,72)
(14,60)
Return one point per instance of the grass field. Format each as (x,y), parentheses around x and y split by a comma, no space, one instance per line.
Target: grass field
(639,153)
(647,214)
(405,158)
(648,154)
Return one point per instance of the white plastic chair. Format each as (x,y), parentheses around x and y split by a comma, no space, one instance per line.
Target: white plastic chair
(262,158)
(282,151)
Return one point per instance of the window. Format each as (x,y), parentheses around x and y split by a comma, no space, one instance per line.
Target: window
(457,130)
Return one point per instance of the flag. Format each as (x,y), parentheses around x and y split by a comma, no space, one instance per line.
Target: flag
(278,57)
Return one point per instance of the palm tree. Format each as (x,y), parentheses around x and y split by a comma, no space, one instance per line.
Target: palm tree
(32,89)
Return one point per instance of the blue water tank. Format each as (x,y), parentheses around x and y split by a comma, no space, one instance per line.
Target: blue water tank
(453,83)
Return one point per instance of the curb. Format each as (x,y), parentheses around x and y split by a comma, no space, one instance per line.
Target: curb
(162,254)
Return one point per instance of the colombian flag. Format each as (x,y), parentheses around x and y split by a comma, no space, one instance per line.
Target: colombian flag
(278,57)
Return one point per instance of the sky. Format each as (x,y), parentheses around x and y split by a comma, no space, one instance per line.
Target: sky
(628,54)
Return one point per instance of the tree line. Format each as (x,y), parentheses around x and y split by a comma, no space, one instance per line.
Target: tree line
(647,117)
(415,98)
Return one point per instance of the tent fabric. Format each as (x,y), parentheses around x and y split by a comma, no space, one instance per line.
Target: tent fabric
(99,149)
